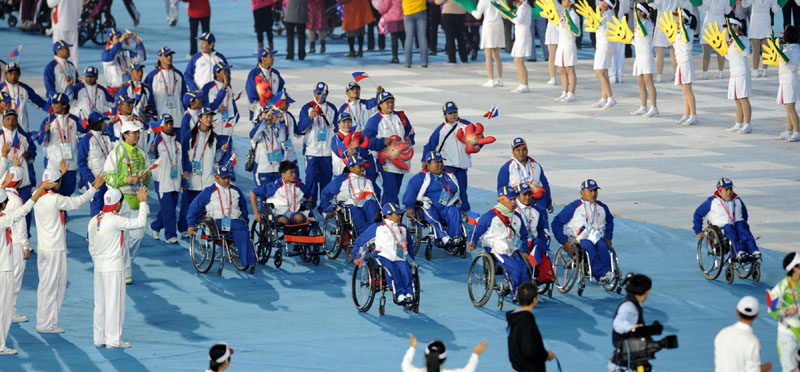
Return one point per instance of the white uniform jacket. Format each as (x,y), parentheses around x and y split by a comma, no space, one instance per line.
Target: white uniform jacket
(391,241)
(7,220)
(169,171)
(106,238)
(51,224)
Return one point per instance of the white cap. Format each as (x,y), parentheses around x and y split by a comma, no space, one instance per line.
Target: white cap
(130,126)
(16,173)
(112,197)
(642,8)
(795,262)
(3,196)
(51,175)
(747,306)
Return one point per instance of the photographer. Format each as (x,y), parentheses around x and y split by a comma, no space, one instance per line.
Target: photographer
(736,348)
(525,346)
(629,318)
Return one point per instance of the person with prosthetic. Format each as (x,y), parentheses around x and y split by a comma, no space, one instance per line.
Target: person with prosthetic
(356,191)
(628,319)
(727,211)
(535,225)
(439,193)
(227,206)
(589,222)
(444,141)
(392,241)
(502,234)
(286,195)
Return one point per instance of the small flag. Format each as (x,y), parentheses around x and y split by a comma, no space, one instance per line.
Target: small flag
(231,121)
(492,113)
(155,165)
(472,217)
(84,122)
(358,76)
(233,160)
(156,126)
(772,303)
(15,142)
(16,51)
(364,195)
(237,96)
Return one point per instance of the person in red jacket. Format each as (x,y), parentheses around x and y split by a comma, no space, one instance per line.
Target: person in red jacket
(199,12)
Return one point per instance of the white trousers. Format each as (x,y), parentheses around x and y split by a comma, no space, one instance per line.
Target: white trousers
(172,11)
(18,257)
(617,60)
(787,350)
(6,294)
(52,285)
(71,37)
(133,239)
(109,307)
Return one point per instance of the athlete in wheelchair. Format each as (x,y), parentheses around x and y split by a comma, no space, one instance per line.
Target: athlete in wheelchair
(432,202)
(350,204)
(727,232)
(504,238)
(384,263)
(538,239)
(219,213)
(585,228)
(285,218)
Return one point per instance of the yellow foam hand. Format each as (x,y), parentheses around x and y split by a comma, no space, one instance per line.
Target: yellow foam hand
(769,52)
(717,40)
(667,24)
(618,31)
(591,18)
(549,11)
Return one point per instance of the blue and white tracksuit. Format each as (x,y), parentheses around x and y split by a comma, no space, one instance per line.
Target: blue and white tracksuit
(24,143)
(318,134)
(142,96)
(188,121)
(269,140)
(93,149)
(222,100)
(21,94)
(440,200)
(90,98)
(454,153)
(286,198)
(591,224)
(276,85)
(380,127)
(392,246)
(339,157)
(360,111)
(199,150)
(62,145)
(512,173)
(200,69)
(349,188)
(167,177)
(219,202)
(535,225)
(731,217)
(501,236)
(117,61)
(55,76)
(168,87)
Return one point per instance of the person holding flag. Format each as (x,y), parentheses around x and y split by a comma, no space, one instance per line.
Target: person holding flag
(784,307)
(168,86)
(383,130)
(263,82)
(268,140)
(200,69)
(223,103)
(139,92)
(20,94)
(90,97)
(356,191)
(193,101)
(116,59)
(65,146)
(60,74)
(348,142)
(443,141)
(93,149)
(20,145)
(316,124)
(360,110)
(165,153)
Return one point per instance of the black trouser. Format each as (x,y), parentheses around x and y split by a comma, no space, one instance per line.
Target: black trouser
(434,19)
(372,28)
(193,23)
(454,30)
(263,21)
(474,38)
(291,29)
(351,41)
(791,11)
(397,38)
(508,35)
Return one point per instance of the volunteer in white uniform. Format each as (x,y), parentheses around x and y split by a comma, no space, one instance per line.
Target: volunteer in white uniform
(567,53)
(492,40)
(715,11)
(19,235)
(660,41)
(759,28)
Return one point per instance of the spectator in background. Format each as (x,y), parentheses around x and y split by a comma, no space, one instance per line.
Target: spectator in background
(104,6)
(415,22)
(371,30)
(199,12)
(525,345)
(736,348)
(791,14)
(357,14)
(454,19)
(263,21)
(491,40)
(538,30)
(65,26)
(434,19)
(295,17)
(317,24)
(473,36)
(392,19)
(171,7)
(27,14)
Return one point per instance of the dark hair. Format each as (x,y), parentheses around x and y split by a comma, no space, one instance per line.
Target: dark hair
(526,293)
(638,284)
(742,21)
(746,317)
(791,35)
(98,125)
(214,353)
(787,260)
(286,165)
(211,135)
(432,352)
(692,19)
(650,11)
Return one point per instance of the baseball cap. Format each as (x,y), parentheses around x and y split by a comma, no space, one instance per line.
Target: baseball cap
(517,142)
(166,117)
(165,51)
(207,111)
(432,156)
(60,98)
(449,107)
(12,66)
(724,183)
(112,197)
(264,51)
(51,175)
(90,71)
(207,36)
(60,44)
(9,111)
(222,171)
(523,187)
(589,184)
(130,126)
(355,160)
(320,87)
(747,306)
(95,117)
(135,66)
(383,96)
(190,96)
(221,66)
(507,191)
(391,208)
(112,32)
(4,97)
(352,85)
(16,173)
(345,116)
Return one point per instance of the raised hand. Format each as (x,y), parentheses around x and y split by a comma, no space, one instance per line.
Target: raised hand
(549,11)
(772,52)
(667,24)
(716,39)
(618,31)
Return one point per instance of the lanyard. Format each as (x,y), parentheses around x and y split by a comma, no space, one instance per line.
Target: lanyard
(354,115)
(122,62)
(102,144)
(272,139)
(324,113)
(230,201)
(62,69)
(593,221)
(174,82)
(443,182)
(91,96)
(403,242)
(266,76)
(130,165)
(60,134)
(169,155)
(528,216)
(528,171)
(352,189)
(731,218)
(294,196)
(205,146)
(16,101)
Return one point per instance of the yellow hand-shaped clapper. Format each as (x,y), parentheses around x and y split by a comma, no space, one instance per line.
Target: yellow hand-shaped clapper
(618,31)
(667,24)
(591,19)
(717,40)
(769,52)
(549,11)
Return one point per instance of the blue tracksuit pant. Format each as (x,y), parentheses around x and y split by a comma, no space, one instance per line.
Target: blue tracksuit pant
(166,219)
(740,237)
(599,256)
(401,272)
(265,178)
(461,177)
(364,216)
(515,268)
(319,171)
(451,215)
(186,198)
(391,187)
(241,237)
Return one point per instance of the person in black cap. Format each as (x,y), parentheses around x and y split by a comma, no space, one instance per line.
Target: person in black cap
(436,355)
(58,135)
(525,345)
(20,94)
(317,123)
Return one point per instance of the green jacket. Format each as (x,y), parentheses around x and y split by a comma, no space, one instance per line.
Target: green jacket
(124,160)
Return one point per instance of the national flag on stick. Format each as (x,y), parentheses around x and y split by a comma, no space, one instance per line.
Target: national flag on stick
(233,160)
(492,113)
(358,76)
(15,142)
(16,51)
(156,127)
(472,217)
(231,121)
(155,165)
(237,97)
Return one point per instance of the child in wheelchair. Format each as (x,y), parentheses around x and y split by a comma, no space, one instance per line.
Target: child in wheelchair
(588,221)
(439,193)
(357,193)
(503,234)
(727,211)
(392,241)
(535,225)
(226,205)
(285,194)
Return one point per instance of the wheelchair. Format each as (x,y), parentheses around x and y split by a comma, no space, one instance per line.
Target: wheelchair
(7,8)
(369,279)
(422,231)
(203,248)
(482,280)
(340,232)
(97,30)
(574,265)
(714,251)
(306,238)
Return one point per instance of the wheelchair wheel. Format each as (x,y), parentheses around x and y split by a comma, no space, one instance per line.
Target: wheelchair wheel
(305,253)
(566,268)
(278,259)
(202,247)
(481,279)
(363,285)
(742,269)
(729,274)
(417,289)
(12,21)
(710,253)
(233,256)
(756,272)
(333,237)
(612,285)
(415,230)
(258,234)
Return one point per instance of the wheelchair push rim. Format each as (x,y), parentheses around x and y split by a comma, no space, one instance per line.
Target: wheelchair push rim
(566,268)
(481,279)
(333,237)
(612,285)
(709,254)
(363,285)
(202,249)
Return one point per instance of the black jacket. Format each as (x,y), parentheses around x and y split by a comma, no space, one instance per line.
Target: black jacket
(525,346)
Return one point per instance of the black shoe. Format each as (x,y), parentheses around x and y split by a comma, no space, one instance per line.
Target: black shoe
(394,60)
(474,55)
(431,52)
(531,59)
(322,47)
(289,57)
(302,56)
(350,55)
(360,53)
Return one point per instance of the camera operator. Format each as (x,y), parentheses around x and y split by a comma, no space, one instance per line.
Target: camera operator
(736,348)
(629,318)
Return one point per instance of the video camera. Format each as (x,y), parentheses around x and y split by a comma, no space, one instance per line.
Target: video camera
(635,352)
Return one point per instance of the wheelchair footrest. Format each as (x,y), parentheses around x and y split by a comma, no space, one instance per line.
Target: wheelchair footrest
(300,239)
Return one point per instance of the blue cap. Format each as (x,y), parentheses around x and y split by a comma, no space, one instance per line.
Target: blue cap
(191,96)
(4,97)
(60,98)
(320,87)
(207,36)
(383,96)
(390,208)
(507,191)
(345,116)
(60,44)
(10,111)
(221,66)
(90,71)
(112,32)
(122,98)
(523,187)
(135,66)
(95,117)
(282,96)
(13,66)
(432,156)
(352,85)
(222,171)
(354,160)
(263,52)
(207,111)
(724,183)
(589,184)
(165,51)
(166,117)
(449,107)
(517,142)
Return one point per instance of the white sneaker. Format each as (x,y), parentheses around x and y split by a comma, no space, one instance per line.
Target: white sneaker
(569,98)
(607,278)
(641,111)
(784,135)
(401,298)
(794,137)
(521,89)
(54,330)
(99,345)
(122,345)
(8,351)
(489,84)
(659,78)
(600,103)
(763,72)
(552,81)
(758,73)
(682,119)
(172,240)
(610,103)
(653,112)
(745,129)
(735,128)
(498,82)
(691,120)
(19,318)
(719,75)
(562,96)
(704,75)
(154,233)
